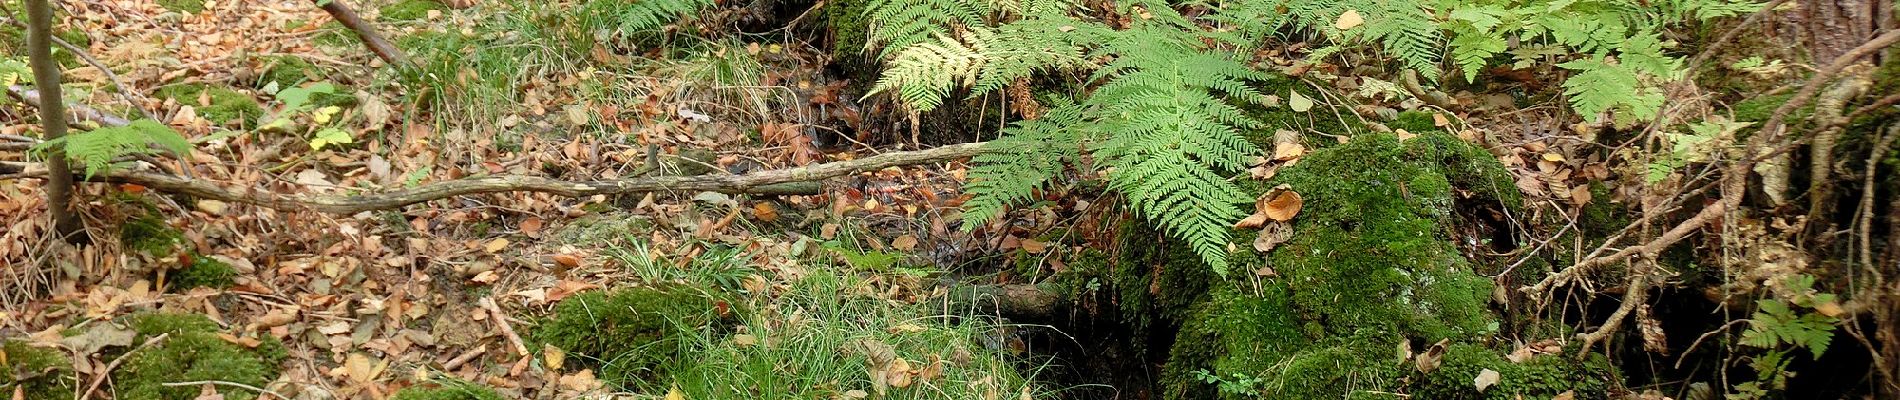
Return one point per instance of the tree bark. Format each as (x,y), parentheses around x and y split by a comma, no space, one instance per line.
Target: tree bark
(59,182)
(377,44)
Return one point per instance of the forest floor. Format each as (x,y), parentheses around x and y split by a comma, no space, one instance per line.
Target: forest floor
(854,288)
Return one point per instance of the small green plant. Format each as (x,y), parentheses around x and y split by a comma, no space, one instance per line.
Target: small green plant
(102,149)
(1780,328)
(447,389)
(1236,384)
(301,101)
(204,272)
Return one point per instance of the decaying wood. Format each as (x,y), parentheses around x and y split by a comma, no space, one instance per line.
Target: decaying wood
(763,182)
(1016,300)
(371,38)
(75,113)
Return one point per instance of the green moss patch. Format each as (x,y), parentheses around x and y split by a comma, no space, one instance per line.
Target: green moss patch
(151,236)
(192,351)
(225,105)
(630,334)
(1541,377)
(39,372)
(287,71)
(410,10)
(183,6)
(204,272)
(447,389)
(1367,268)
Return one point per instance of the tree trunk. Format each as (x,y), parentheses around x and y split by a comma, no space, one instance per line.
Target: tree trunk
(59,185)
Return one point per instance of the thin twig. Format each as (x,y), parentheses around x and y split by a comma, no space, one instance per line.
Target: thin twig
(494,312)
(100,377)
(126,92)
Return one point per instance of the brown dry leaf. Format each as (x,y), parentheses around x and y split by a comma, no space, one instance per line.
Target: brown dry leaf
(745,340)
(1284,151)
(1566,395)
(1272,235)
(1522,354)
(1348,20)
(208,392)
(1282,205)
(1034,246)
(899,372)
(1653,338)
(495,246)
(486,277)
(568,287)
(567,260)
(1486,379)
(1429,361)
(553,357)
(585,381)
(532,226)
(765,211)
(1439,120)
(906,242)
(1404,134)
(828,231)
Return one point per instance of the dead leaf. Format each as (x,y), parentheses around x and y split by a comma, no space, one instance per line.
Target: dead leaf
(764,211)
(1288,151)
(1282,205)
(1485,379)
(585,381)
(99,336)
(745,340)
(553,357)
(1272,235)
(828,231)
(495,246)
(1429,361)
(1348,20)
(1034,246)
(906,242)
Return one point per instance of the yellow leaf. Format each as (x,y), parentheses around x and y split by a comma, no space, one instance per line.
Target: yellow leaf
(1298,101)
(1349,19)
(322,115)
(495,246)
(674,393)
(1553,157)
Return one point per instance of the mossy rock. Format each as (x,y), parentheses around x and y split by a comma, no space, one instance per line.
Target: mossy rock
(287,71)
(447,389)
(183,6)
(225,105)
(204,272)
(1368,267)
(630,334)
(192,351)
(410,10)
(40,373)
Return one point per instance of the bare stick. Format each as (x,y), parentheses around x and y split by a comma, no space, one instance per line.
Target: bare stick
(464,357)
(377,44)
(225,383)
(500,318)
(751,183)
(100,377)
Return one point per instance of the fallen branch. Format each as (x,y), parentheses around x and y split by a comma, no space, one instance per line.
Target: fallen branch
(762,182)
(75,113)
(377,44)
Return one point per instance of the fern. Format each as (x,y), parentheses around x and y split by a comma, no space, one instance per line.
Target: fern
(1028,155)
(99,147)
(640,15)
(983,60)
(1775,324)
(895,25)
(1601,85)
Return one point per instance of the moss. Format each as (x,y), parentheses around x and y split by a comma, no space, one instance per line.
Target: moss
(1368,267)
(192,351)
(1319,119)
(183,6)
(225,104)
(448,389)
(204,272)
(1541,377)
(287,71)
(40,373)
(629,334)
(151,235)
(849,28)
(1414,121)
(410,10)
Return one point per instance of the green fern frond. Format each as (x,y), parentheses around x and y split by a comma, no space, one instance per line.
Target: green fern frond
(640,15)
(925,73)
(1408,34)
(1601,86)
(1012,167)
(99,147)
(895,25)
